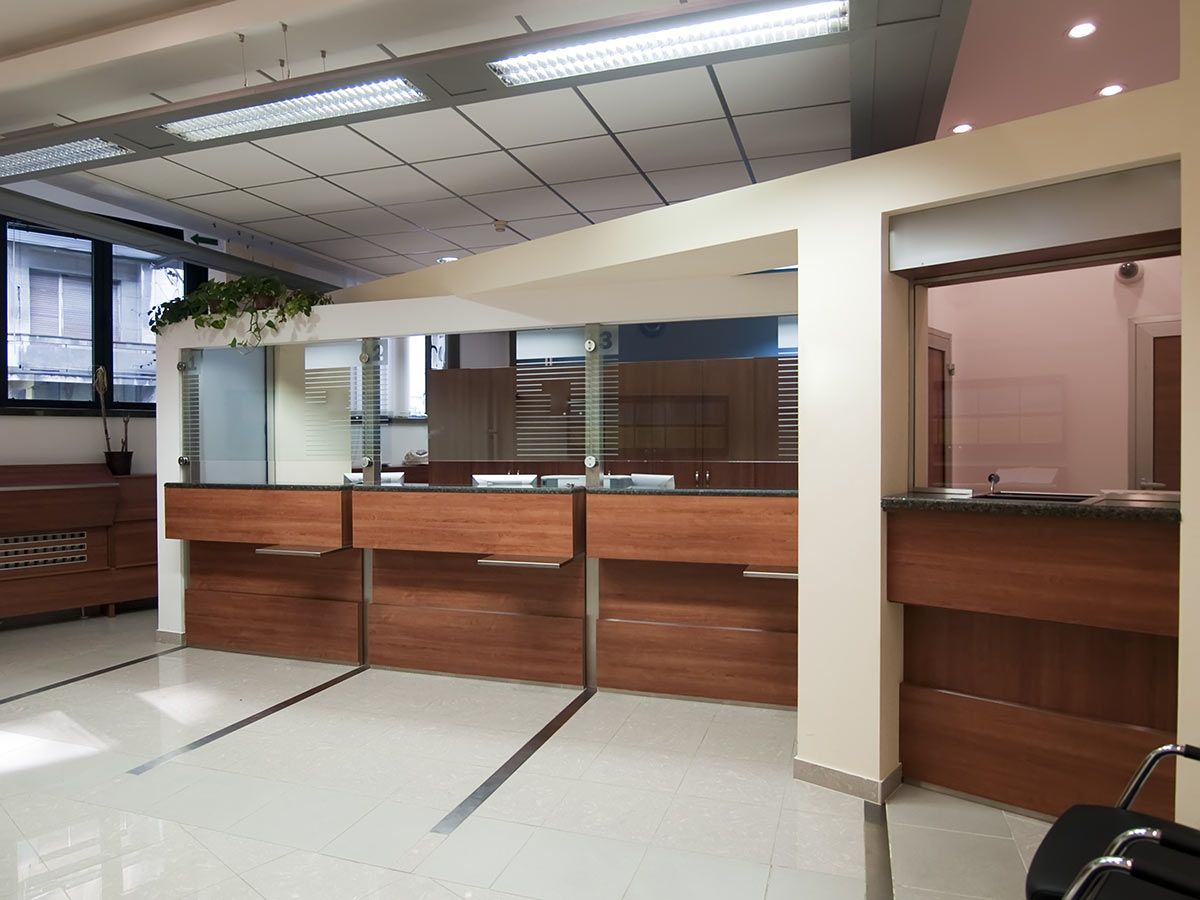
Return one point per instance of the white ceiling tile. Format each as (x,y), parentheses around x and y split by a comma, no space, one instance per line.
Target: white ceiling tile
(396,184)
(313,195)
(665,98)
(346,248)
(537,228)
(535,118)
(796,131)
(786,80)
(364,222)
(594,157)
(242,165)
(477,236)
(479,174)
(236,206)
(609,214)
(435,134)
(700,181)
(389,265)
(609,193)
(161,177)
(438,214)
(779,166)
(414,242)
(677,146)
(329,151)
(526,203)
(297,228)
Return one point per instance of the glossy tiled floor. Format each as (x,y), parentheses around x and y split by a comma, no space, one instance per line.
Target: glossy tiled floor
(635,798)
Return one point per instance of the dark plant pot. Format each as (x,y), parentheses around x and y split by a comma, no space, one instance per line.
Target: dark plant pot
(119,462)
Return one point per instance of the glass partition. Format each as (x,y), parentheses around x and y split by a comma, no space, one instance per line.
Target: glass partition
(703,404)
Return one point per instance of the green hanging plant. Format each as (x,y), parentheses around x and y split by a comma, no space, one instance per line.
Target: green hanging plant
(264,300)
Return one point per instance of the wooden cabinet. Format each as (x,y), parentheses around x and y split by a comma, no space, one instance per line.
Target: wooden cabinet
(472,414)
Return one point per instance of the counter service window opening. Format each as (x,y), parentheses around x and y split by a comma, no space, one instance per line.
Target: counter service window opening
(1057,382)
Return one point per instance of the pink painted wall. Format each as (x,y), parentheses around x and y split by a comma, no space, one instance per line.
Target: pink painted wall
(1041,387)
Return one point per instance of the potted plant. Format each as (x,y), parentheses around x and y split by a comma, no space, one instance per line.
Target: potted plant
(264,301)
(119,462)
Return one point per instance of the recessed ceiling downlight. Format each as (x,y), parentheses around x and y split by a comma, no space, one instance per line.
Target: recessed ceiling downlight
(1081,30)
(446,259)
(385,93)
(963,128)
(57,155)
(792,23)
(1111,90)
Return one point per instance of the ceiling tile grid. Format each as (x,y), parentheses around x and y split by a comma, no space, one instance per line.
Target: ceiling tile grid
(396,193)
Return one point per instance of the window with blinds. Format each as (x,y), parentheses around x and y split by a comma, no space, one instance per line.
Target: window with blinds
(60,305)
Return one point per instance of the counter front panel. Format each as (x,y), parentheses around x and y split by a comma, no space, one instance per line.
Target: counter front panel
(253,515)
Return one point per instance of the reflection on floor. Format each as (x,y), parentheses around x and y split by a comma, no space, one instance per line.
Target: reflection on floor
(336,797)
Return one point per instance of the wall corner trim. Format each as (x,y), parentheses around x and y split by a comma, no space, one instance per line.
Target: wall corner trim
(868,789)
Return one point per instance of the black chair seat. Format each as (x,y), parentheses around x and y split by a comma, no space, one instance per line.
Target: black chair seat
(1083,833)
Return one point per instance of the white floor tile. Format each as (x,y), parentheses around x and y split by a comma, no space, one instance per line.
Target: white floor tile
(911,805)
(231,889)
(606,810)
(969,864)
(638,767)
(738,781)
(678,875)
(171,869)
(385,835)
(563,757)
(477,852)
(554,865)
(1027,833)
(239,853)
(795,884)
(719,828)
(438,783)
(812,798)
(526,798)
(313,876)
(218,800)
(304,817)
(820,843)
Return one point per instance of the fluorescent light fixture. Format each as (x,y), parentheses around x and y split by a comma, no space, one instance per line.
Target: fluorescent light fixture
(1111,90)
(447,259)
(963,128)
(344,101)
(57,155)
(1082,30)
(791,23)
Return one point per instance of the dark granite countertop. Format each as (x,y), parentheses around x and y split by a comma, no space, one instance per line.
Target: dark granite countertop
(1126,511)
(696,492)
(461,489)
(260,487)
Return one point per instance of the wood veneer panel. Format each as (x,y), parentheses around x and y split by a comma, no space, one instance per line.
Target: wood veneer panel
(517,522)
(236,568)
(689,528)
(531,648)
(64,473)
(1117,676)
(66,590)
(455,581)
(690,594)
(96,551)
(780,476)
(261,517)
(64,509)
(134,543)
(133,583)
(1030,758)
(752,666)
(136,498)
(1105,573)
(273,625)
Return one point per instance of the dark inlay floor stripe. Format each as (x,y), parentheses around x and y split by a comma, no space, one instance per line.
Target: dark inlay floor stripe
(104,671)
(459,814)
(878,852)
(249,720)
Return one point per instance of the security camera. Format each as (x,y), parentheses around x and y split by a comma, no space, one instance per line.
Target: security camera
(1129,273)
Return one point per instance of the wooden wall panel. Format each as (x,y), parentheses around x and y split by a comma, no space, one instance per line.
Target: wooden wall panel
(1098,673)
(137,498)
(1109,574)
(455,581)
(690,528)
(66,509)
(273,625)
(1029,758)
(517,522)
(133,583)
(533,648)
(236,568)
(55,474)
(258,516)
(724,664)
(134,543)
(688,594)
(75,589)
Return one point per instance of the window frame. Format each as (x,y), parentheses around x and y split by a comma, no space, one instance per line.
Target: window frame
(102,324)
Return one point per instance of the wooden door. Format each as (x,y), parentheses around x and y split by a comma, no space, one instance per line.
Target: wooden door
(472,414)
(1167,359)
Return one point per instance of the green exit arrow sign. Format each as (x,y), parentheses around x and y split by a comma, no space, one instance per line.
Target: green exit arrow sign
(203,239)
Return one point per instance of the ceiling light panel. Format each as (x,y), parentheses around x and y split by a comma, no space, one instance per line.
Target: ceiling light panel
(72,153)
(682,42)
(354,99)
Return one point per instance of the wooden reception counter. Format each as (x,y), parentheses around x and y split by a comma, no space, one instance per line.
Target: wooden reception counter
(1039,647)
(678,614)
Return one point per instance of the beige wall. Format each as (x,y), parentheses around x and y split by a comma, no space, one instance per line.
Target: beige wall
(31,440)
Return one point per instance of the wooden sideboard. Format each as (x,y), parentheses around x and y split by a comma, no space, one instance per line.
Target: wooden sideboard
(74,536)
